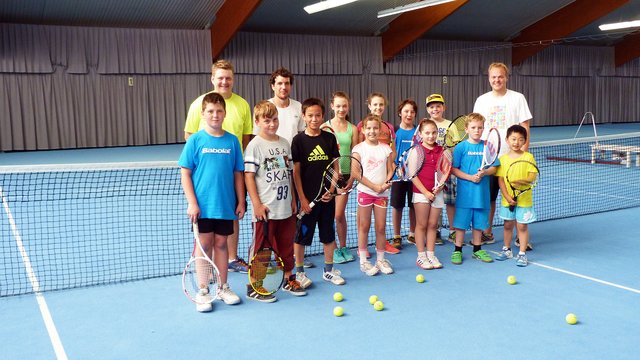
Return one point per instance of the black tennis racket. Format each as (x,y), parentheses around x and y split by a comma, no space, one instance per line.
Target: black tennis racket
(455,133)
(266,268)
(491,149)
(409,164)
(521,176)
(199,273)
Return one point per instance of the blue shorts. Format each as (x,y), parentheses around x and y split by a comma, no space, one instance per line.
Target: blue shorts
(521,215)
(465,219)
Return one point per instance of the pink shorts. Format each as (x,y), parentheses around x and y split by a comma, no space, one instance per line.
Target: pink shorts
(366,200)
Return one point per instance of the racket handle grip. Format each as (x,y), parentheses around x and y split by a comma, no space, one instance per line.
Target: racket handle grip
(512,207)
(302,213)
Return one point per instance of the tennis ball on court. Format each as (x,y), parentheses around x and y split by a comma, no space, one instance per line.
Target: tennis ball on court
(378,305)
(571,319)
(337,296)
(338,311)
(420,278)
(511,280)
(373,299)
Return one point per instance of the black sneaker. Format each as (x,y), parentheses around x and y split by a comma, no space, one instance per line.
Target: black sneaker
(529,246)
(252,294)
(293,287)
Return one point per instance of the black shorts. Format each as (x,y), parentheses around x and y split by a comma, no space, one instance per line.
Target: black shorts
(399,192)
(494,187)
(217,226)
(323,214)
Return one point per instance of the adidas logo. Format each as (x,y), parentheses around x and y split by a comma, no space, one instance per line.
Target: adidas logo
(317,154)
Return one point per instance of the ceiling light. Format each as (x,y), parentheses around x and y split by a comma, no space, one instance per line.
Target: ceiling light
(410,7)
(324,5)
(620,25)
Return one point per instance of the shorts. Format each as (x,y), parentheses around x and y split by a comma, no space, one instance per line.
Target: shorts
(449,191)
(521,215)
(400,191)
(217,226)
(438,202)
(323,214)
(366,200)
(280,237)
(476,219)
(494,187)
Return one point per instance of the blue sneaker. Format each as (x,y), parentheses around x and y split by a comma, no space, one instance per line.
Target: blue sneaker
(521,260)
(239,265)
(308,264)
(338,258)
(504,255)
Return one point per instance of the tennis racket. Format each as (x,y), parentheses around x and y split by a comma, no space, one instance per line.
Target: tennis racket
(443,169)
(455,133)
(329,129)
(386,135)
(416,139)
(199,273)
(491,149)
(409,164)
(335,182)
(266,268)
(521,176)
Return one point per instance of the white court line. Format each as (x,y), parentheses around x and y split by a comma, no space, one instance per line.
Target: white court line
(42,304)
(581,276)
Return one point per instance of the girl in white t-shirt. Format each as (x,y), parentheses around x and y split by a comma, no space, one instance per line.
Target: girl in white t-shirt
(373,193)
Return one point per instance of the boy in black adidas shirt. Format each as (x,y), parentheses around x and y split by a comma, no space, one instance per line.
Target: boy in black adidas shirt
(312,150)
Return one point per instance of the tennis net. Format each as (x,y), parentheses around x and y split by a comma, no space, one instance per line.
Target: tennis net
(80,225)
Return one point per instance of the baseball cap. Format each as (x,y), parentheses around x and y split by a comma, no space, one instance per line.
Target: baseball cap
(435,98)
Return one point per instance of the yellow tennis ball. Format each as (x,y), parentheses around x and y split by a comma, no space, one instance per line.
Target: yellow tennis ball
(378,305)
(571,319)
(338,311)
(511,280)
(373,299)
(420,278)
(337,296)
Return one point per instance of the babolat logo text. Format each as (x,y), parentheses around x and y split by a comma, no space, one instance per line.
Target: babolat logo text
(216,151)
(317,154)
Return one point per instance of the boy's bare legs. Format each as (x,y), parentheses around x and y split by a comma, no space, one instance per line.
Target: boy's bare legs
(220,254)
(508,232)
(523,236)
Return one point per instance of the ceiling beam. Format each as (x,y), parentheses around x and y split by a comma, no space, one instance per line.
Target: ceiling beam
(561,23)
(410,26)
(628,49)
(229,18)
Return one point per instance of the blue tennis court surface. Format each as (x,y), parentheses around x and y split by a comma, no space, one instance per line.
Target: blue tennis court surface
(581,264)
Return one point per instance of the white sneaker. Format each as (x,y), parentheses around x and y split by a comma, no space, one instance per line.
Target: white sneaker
(227,295)
(333,277)
(424,263)
(204,302)
(384,266)
(304,281)
(434,262)
(368,269)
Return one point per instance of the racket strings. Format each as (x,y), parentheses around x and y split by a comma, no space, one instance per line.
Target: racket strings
(411,163)
(443,167)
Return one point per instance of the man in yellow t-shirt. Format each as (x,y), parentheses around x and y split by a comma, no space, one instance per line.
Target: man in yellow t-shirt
(237,121)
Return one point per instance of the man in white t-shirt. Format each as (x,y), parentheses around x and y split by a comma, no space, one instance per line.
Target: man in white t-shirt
(501,108)
(289,110)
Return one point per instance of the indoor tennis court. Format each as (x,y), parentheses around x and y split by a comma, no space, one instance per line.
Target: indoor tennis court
(93,228)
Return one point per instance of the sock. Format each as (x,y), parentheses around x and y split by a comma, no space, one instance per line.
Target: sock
(411,234)
(430,254)
(300,267)
(363,256)
(379,255)
(422,255)
(504,248)
(521,253)
(477,248)
(328,267)
(458,248)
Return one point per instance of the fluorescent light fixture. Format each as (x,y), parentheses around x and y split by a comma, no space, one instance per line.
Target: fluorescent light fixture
(324,5)
(411,7)
(620,25)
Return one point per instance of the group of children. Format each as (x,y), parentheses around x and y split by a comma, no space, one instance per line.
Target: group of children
(279,179)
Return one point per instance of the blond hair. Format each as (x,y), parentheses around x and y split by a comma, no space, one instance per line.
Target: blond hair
(221,64)
(473,117)
(499,65)
(264,109)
